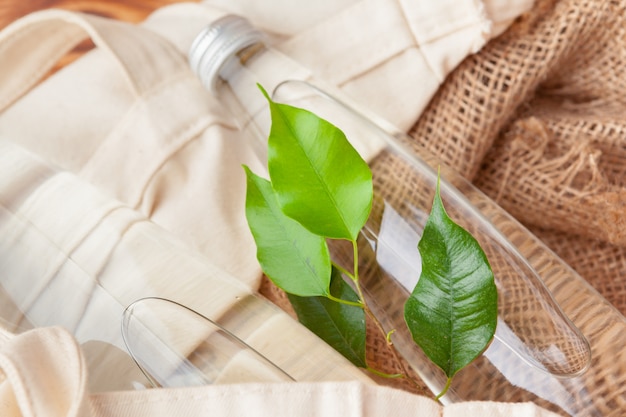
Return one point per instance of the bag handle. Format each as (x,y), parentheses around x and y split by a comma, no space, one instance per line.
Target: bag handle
(156,72)
(34,44)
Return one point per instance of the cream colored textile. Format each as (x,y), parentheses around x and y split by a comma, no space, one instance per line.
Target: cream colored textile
(390,55)
(132,119)
(60,391)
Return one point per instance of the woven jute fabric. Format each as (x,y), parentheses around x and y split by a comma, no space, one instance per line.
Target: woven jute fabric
(536,120)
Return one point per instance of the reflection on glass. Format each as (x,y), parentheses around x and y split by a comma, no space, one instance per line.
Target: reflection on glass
(157,333)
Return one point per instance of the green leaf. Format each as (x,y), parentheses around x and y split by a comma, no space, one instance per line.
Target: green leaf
(452,312)
(319,178)
(341,326)
(295,259)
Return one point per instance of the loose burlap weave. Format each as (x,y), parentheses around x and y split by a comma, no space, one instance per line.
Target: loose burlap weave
(536,119)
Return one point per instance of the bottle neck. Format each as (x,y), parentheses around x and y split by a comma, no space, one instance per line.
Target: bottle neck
(237,85)
(236,88)
(231,59)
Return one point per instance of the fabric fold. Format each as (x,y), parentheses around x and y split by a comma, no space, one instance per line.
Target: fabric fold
(56,387)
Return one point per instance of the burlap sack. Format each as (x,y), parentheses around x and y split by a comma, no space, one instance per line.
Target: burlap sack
(536,120)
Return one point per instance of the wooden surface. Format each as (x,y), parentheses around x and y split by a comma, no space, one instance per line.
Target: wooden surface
(125,10)
(128,10)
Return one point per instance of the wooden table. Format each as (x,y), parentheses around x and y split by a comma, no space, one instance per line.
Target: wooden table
(126,10)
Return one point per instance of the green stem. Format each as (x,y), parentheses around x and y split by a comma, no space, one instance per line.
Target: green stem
(377,323)
(355,277)
(350,303)
(344,271)
(445,389)
(357,285)
(385,375)
(355,259)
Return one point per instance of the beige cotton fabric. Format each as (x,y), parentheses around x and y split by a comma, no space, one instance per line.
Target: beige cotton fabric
(390,56)
(60,391)
(158,144)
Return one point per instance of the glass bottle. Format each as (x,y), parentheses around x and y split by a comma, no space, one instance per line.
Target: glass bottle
(538,353)
(151,331)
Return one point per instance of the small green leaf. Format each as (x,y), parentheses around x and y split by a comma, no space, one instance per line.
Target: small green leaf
(341,326)
(319,178)
(295,259)
(452,312)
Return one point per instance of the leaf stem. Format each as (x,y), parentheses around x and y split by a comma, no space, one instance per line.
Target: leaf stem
(344,271)
(360,291)
(385,375)
(387,335)
(347,302)
(445,389)
(355,277)
(355,260)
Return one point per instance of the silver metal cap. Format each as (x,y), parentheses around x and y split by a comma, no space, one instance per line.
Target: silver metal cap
(219,41)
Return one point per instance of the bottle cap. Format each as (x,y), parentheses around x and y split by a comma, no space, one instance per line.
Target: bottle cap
(219,41)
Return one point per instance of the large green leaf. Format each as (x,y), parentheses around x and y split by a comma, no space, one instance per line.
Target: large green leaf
(295,259)
(452,312)
(341,326)
(319,178)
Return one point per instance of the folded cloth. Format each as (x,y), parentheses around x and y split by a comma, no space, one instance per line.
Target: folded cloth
(389,55)
(56,387)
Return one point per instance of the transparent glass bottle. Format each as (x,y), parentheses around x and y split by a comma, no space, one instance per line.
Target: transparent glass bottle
(538,353)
